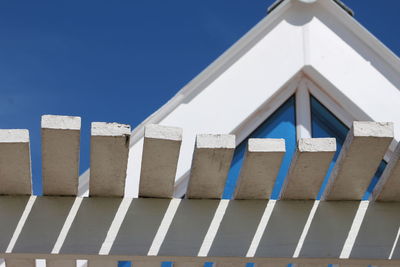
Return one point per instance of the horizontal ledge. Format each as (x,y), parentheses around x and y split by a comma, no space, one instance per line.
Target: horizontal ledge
(202,259)
(126,228)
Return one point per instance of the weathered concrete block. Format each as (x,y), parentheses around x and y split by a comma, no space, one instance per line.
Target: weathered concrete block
(20,263)
(60,154)
(159,160)
(364,147)
(308,168)
(15,163)
(60,263)
(210,166)
(388,186)
(260,168)
(109,147)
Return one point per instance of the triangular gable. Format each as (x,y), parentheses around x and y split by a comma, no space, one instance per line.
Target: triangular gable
(316,43)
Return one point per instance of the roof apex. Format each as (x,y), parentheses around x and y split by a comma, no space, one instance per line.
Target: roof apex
(340,3)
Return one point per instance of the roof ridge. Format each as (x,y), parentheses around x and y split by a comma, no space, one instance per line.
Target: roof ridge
(339,2)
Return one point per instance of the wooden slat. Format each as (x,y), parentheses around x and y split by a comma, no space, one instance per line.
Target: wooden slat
(388,186)
(20,263)
(308,168)
(210,166)
(60,154)
(60,263)
(15,163)
(109,147)
(364,147)
(260,167)
(159,161)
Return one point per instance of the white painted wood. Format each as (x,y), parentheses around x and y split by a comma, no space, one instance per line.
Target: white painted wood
(211,162)
(308,168)
(303,111)
(261,165)
(60,263)
(60,154)
(109,147)
(159,161)
(15,163)
(361,154)
(20,263)
(102,263)
(388,186)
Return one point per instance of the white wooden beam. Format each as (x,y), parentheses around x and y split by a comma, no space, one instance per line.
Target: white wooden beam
(60,154)
(109,147)
(308,168)
(20,263)
(210,166)
(15,163)
(159,160)
(260,168)
(388,186)
(363,150)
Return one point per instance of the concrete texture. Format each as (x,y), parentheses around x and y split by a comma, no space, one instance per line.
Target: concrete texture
(308,168)
(388,186)
(260,167)
(60,154)
(159,161)
(109,147)
(210,165)
(188,264)
(15,163)
(60,263)
(102,263)
(361,154)
(20,263)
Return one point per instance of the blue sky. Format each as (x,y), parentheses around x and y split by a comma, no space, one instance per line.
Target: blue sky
(121,60)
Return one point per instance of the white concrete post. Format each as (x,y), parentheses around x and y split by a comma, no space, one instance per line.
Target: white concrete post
(308,168)
(15,163)
(159,161)
(60,154)
(210,166)
(260,168)
(364,148)
(109,147)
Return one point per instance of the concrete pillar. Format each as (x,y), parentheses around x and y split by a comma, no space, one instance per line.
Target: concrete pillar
(210,166)
(363,150)
(159,161)
(109,147)
(15,163)
(388,186)
(308,168)
(260,168)
(60,154)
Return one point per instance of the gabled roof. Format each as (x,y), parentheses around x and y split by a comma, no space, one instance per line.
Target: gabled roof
(316,41)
